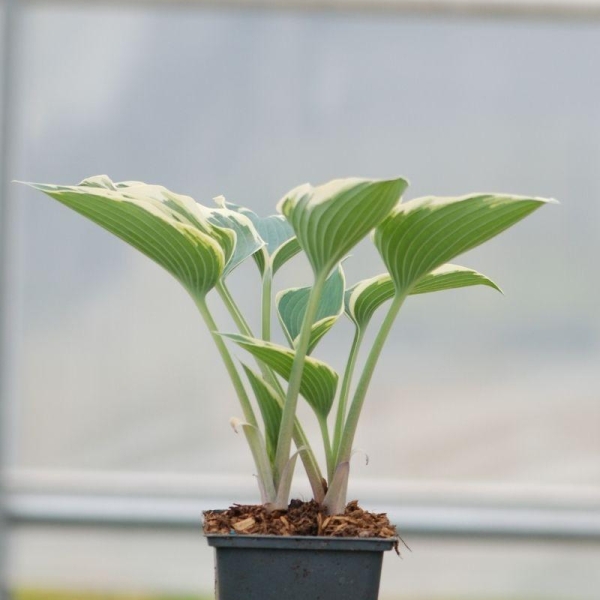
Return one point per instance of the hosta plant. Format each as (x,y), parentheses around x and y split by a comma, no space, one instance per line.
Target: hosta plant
(201,245)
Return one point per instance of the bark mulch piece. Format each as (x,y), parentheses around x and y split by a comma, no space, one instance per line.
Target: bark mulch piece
(301,518)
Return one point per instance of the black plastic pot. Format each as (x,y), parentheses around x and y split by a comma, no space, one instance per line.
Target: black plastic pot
(297,568)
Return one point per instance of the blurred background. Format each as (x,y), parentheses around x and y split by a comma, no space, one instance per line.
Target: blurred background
(483,424)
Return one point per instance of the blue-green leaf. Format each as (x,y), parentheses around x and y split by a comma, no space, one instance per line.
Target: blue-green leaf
(280,241)
(248,242)
(292,303)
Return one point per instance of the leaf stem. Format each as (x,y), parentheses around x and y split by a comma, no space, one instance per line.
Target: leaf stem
(345,391)
(242,325)
(233,309)
(229,364)
(311,466)
(345,451)
(266,301)
(265,475)
(329,455)
(335,499)
(307,456)
(286,429)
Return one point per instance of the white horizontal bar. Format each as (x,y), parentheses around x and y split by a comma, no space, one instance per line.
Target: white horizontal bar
(430,507)
(551,8)
(185,512)
(378,491)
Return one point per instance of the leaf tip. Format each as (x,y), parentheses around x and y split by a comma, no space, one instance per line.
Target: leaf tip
(401,182)
(31,184)
(284,205)
(229,336)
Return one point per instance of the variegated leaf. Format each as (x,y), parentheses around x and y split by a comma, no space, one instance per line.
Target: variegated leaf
(280,242)
(248,241)
(423,234)
(285,252)
(364,298)
(171,229)
(319,380)
(450,277)
(266,398)
(330,219)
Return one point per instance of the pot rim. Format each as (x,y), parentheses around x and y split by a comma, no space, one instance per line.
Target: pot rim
(301,542)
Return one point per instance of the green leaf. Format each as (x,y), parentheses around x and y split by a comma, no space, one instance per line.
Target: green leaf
(278,235)
(364,298)
(286,251)
(330,219)
(292,303)
(423,234)
(270,408)
(319,380)
(450,277)
(171,229)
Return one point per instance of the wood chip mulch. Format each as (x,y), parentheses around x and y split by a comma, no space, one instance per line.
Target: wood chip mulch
(301,518)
